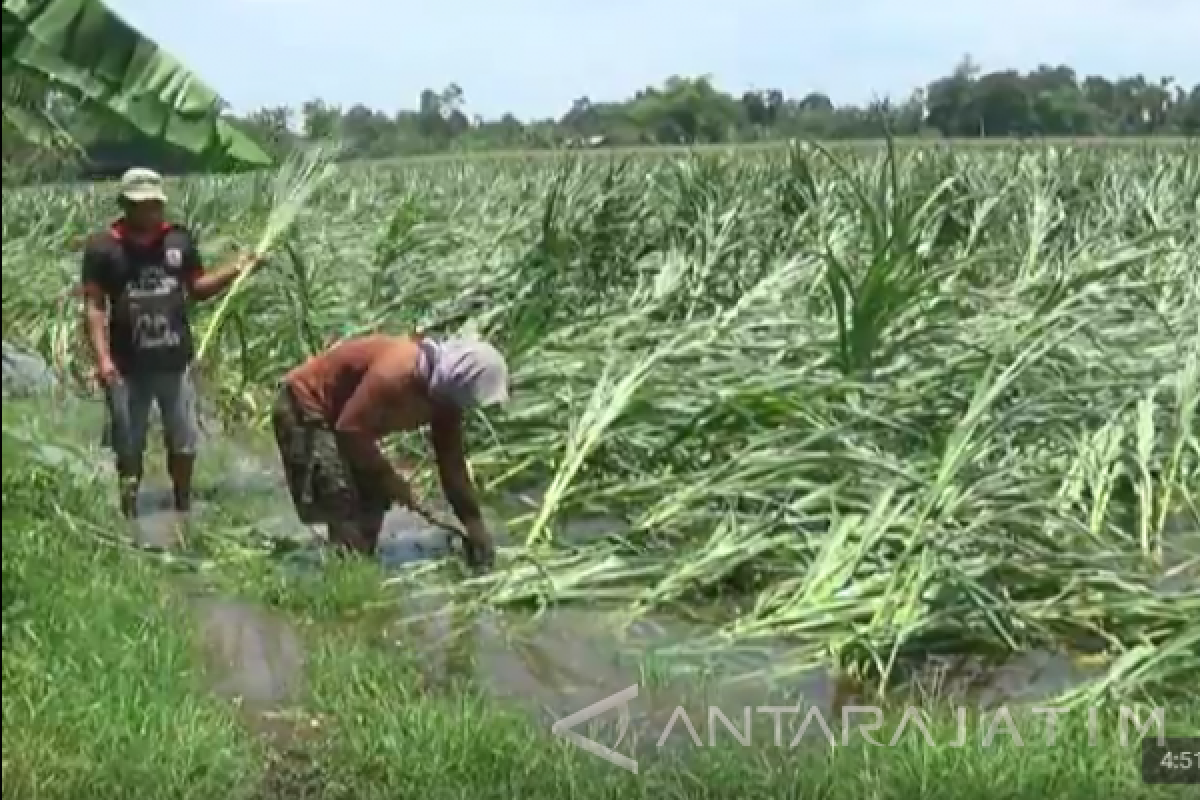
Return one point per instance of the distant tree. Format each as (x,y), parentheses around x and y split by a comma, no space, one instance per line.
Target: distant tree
(1050,100)
(319,120)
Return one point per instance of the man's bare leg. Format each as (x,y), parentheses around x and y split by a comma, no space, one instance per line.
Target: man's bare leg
(358,536)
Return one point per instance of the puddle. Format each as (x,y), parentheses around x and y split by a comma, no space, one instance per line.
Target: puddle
(158,525)
(551,666)
(259,654)
(1024,679)
(255,659)
(25,373)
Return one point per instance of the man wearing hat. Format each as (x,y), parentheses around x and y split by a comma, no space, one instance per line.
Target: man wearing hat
(138,275)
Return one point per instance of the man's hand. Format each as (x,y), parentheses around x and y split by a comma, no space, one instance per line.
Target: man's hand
(242,262)
(204,285)
(247,260)
(480,550)
(107,374)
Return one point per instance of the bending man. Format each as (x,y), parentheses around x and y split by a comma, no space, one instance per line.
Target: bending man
(332,410)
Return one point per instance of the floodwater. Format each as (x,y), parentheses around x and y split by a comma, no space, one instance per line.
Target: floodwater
(548,666)
(554,665)
(256,660)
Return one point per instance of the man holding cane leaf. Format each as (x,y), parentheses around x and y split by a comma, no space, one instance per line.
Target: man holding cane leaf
(138,276)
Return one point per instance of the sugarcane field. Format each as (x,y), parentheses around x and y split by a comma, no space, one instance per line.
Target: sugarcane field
(697,445)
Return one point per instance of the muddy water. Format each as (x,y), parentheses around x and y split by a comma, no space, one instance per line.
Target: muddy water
(554,665)
(548,666)
(256,660)
(561,661)
(259,654)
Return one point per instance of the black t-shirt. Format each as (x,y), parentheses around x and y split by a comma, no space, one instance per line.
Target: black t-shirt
(145,283)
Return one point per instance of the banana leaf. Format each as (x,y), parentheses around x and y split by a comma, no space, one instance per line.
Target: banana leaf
(88,52)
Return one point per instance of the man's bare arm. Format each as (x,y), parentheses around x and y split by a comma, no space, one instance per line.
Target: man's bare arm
(95,270)
(95,320)
(203,284)
(450,451)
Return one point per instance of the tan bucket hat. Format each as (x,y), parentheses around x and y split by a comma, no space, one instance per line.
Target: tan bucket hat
(139,185)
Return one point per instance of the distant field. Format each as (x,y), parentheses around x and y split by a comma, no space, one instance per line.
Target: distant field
(1122,142)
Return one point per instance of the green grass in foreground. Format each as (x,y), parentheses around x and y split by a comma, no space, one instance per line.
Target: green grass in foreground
(104,697)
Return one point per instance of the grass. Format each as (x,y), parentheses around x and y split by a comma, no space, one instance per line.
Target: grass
(884,404)
(102,689)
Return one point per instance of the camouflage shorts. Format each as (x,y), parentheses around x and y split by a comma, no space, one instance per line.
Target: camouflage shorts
(324,488)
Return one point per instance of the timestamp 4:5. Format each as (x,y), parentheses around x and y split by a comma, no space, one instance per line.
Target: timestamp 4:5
(1176,761)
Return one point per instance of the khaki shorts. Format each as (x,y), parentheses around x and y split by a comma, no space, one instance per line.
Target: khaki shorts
(325,489)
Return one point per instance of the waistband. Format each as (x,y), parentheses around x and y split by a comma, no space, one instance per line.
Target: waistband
(303,415)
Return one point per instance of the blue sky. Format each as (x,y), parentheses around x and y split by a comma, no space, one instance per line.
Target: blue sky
(535,58)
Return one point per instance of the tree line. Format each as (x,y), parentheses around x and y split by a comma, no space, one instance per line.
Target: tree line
(967,103)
